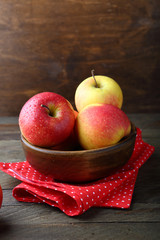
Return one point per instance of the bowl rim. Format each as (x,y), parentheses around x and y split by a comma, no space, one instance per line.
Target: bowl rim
(83,151)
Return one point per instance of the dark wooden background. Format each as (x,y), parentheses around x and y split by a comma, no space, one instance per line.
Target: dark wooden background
(52,45)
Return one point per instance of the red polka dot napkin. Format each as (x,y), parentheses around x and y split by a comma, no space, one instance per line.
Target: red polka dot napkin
(113,191)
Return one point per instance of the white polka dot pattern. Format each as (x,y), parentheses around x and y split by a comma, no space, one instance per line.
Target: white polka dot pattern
(113,191)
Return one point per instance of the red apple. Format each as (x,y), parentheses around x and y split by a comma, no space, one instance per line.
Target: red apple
(98,89)
(46,119)
(70,143)
(101,125)
(1,196)
(67,145)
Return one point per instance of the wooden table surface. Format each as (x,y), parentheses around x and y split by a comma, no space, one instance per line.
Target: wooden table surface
(20,220)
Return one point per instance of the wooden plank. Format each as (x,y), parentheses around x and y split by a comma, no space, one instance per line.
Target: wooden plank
(55,49)
(18,213)
(83,231)
(146,121)
(11,150)
(8,182)
(9,120)
(9,135)
(9,128)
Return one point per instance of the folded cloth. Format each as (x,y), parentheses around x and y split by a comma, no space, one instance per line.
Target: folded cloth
(113,191)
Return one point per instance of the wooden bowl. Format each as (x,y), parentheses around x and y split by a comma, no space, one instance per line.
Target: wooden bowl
(81,165)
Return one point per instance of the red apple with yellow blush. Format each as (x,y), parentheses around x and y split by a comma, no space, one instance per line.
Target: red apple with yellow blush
(101,125)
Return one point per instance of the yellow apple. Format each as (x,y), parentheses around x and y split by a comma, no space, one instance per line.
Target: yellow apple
(101,125)
(98,89)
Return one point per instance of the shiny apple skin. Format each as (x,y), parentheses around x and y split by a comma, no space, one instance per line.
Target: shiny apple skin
(107,91)
(45,128)
(101,125)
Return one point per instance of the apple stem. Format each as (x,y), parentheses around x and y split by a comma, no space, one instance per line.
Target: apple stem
(47,109)
(92,72)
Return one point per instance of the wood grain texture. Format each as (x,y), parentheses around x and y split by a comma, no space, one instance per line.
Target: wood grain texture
(19,212)
(83,231)
(19,220)
(53,45)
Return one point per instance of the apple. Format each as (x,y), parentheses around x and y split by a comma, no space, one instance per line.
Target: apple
(70,143)
(46,119)
(101,125)
(98,89)
(1,196)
